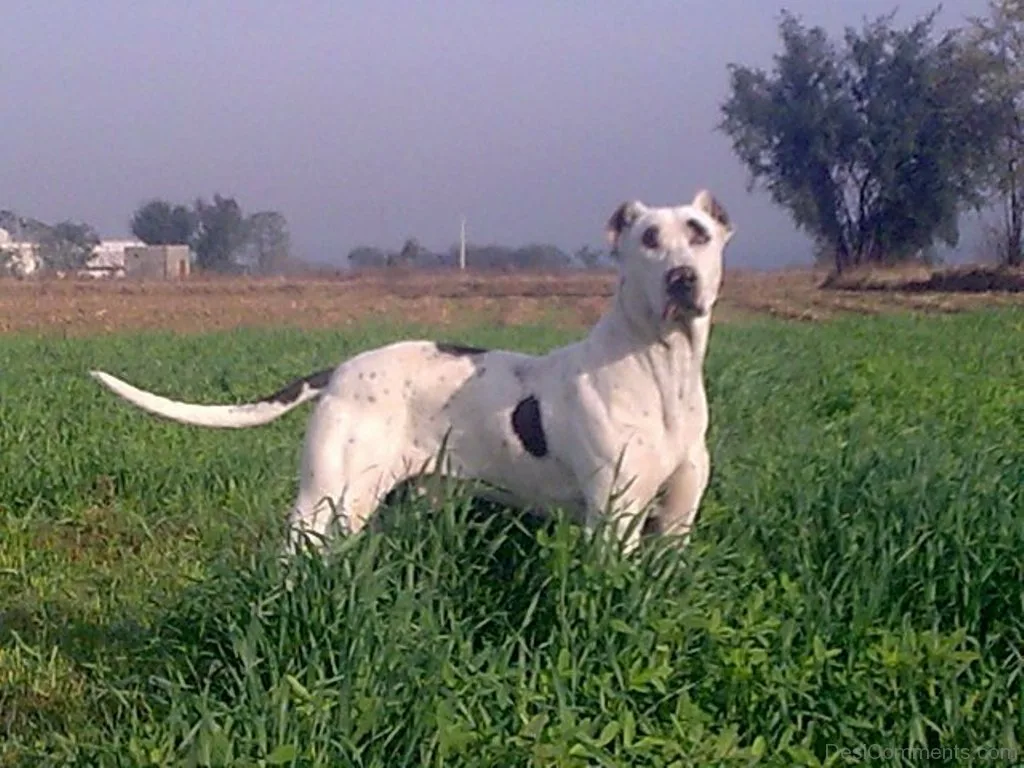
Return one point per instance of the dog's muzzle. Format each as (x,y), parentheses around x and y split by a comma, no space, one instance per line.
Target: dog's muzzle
(681,290)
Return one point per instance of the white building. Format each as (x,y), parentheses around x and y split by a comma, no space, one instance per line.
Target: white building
(17,258)
(20,258)
(108,258)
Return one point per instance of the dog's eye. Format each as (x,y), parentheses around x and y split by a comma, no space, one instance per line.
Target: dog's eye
(697,233)
(650,238)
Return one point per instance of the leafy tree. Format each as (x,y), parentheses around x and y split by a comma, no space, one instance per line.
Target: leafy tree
(588,257)
(221,233)
(268,241)
(410,253)
(22,227)
(873,146)
(67,245)
(997,43)
(158,222)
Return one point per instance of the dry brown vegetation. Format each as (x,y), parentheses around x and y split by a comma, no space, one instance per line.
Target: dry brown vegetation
(86,307)
(972,278)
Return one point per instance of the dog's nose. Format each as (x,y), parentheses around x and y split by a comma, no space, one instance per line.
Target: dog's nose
(681,282)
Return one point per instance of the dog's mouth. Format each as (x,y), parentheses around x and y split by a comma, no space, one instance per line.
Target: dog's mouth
(682,292)
(680,311)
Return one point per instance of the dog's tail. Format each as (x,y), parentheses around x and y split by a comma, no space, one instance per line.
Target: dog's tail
(254,414)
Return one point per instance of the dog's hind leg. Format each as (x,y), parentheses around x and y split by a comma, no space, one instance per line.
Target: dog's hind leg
(347,469)
(325,508)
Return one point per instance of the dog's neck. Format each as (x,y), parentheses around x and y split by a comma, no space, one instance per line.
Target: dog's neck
(674,360)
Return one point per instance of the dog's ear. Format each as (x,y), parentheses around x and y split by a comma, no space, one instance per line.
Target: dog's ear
(622,219)
(707,203)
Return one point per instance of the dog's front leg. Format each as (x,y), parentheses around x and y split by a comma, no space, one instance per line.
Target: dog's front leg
(684,490)
(621,501)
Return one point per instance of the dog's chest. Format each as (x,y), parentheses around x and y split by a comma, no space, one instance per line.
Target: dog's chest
(666,419)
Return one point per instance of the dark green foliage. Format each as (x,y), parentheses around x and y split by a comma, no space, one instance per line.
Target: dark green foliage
(222,236)
(997,44)
(221,233)
(158,222)
(874,146)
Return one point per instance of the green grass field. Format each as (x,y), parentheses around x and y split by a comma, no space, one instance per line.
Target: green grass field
(855,581)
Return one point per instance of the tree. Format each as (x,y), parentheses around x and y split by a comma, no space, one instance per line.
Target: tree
(268,241)
(221,233)
(997,43)
(873,146)
(22,228)
(367,256)
(407,257)
(589,258)
(539,256)
(158,222)
(67,245)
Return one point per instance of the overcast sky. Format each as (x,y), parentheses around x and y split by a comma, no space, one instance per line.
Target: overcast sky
(368,122)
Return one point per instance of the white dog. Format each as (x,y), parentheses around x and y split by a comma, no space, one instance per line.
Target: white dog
(614,422)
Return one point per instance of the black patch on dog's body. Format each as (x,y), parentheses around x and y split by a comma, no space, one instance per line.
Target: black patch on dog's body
(526,423)
(458,350)
(291,392)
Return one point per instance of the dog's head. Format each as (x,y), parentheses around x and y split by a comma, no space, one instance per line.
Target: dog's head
(670,259)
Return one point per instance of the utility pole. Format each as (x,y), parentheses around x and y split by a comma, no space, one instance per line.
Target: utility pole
(462,245)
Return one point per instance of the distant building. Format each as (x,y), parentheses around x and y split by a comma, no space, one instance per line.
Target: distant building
(19,258)
(111,258)
(108,258)
(169,262)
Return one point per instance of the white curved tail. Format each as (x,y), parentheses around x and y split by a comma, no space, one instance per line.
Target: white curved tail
(240,416)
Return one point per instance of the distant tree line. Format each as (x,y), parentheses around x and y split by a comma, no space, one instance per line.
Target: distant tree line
(531,256)
(877,143)
(223,237)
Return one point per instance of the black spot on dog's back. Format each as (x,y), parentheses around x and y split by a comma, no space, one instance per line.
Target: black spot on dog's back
(526,423)
(291,392)
(458,350)
(320,379)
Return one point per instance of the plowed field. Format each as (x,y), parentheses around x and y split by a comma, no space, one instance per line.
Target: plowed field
(87,307)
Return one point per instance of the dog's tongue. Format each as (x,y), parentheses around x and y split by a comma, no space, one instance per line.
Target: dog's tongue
(666,310)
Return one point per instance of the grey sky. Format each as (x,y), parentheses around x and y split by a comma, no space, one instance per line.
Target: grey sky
(368,122)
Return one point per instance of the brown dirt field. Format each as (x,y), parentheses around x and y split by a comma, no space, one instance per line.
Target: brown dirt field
(972,278)
(68,307)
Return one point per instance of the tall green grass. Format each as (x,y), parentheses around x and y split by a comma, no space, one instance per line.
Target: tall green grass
(856,580)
